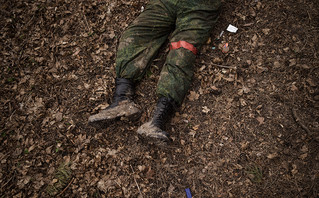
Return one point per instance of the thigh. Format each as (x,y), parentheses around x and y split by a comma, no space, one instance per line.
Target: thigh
(195,20)
(156,21)
(141,40)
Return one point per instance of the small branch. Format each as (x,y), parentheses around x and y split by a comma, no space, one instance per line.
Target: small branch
(120,187)
(86,22)
(224,66)
(138,187)
(14,174)
(309,16)
(298,120)
(66,187)
(12,114)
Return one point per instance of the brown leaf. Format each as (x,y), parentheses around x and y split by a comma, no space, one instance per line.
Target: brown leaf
(196,127)
(294,88)
(149,174)
(277,64)
(112,35)
(193,96)
(292,62)
(171,189)
(294,169)
(77,51)
(303,156)
(205,109)
(311,82)
(31,147)
(260,120)
(58,116)
(272,155)
(266,31)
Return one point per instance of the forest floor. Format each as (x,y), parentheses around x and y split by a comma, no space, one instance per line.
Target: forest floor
(248,127)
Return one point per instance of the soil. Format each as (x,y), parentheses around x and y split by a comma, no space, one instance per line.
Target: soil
(248,127)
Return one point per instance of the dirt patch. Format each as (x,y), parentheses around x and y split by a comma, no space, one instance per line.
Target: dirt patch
(248,128)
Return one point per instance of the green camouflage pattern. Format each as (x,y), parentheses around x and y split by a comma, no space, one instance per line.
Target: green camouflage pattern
(176,20)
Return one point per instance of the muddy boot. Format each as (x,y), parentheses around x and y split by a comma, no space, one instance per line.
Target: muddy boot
(152,131)
(122,105)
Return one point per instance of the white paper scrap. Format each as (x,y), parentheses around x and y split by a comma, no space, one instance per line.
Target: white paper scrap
(232,28)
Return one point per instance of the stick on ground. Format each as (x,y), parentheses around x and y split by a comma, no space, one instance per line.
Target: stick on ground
(298,120)
(66,187)
(138,187)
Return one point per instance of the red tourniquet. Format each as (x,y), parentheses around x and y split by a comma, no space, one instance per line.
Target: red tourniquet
(183,44)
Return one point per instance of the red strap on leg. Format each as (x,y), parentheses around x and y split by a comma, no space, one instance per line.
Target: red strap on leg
(183,44)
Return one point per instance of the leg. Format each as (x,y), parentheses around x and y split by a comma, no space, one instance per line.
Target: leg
(138,45)
(142,39)
(195,20)
(194,23)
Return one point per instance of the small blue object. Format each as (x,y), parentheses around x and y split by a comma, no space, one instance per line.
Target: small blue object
(188,193)
(213,48)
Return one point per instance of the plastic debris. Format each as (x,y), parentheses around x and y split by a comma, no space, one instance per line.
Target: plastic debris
(221,34)
(225,48)
(188,193)
(142,9)
(213,48)
(232,28)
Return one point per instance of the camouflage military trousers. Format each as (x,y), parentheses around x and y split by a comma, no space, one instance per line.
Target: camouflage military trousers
(186,23)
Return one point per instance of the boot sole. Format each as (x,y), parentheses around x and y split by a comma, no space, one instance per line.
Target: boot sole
(127,110)
(153,141)
(152,135)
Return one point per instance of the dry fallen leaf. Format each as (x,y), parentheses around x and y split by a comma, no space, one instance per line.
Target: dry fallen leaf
(303,156)
(304,148)
(112,35)
(311,82)
(193,96)
(205,109)
(58,116)
(277,64)
(292,62)
(272,155)
(196,127)
(294,169)
(77,51)
(171,189)
(101,106)
(260,120)
(266,31)
(294,88)
(149,174)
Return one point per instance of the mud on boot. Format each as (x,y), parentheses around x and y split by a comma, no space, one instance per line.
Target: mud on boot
(122,105)
(152,131)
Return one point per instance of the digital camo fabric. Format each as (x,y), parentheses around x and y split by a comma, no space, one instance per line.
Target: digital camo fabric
(176,20)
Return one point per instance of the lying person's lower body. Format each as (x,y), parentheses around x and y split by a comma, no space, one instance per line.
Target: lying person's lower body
(187,24)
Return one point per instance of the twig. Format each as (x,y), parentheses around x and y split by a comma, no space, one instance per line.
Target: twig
(120,187)
(12,114)
(66,187)
(85,20)
(138,187)
(297,119)
(309,16)
(14,174)
(225,66)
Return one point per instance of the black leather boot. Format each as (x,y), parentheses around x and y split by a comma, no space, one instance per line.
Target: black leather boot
(153,130)
(122,105)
